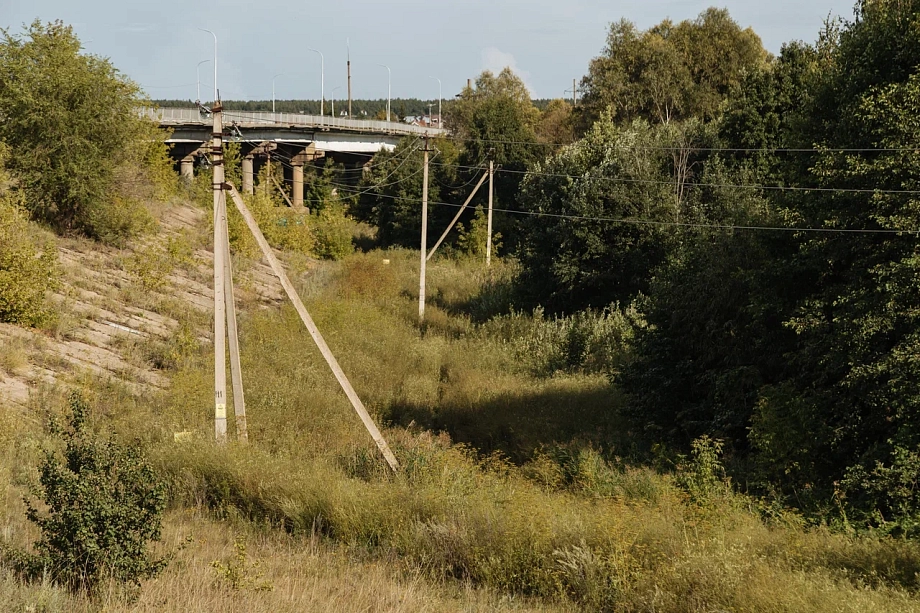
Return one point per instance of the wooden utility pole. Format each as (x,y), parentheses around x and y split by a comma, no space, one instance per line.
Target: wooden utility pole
(457,216)
(220,303)
(489,222)
(314,331)
(424,248)
(574,92)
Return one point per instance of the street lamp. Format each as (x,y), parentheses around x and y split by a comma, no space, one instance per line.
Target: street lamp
(215,61)
(273,90)
(439,99)
(333,99)
(198,75)
(322,79)
(388,89)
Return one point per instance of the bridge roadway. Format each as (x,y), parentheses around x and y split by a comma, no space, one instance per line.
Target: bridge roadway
(328,133)
(298,138)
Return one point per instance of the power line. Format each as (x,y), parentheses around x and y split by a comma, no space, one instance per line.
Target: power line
(624,220)
(643,222)
(694,184)
(702,149)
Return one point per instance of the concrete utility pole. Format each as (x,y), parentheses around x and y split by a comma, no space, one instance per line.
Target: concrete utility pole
(424,248)
(220,302)
(215,61)
(388,91)
(322,80)
(574,91)
(349,76)
(224,304)
(489,222)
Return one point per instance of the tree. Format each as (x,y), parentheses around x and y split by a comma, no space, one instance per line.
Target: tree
(390,192)
(619,174)
(669,72)
(854,375)
(496,120)
(555,127)
(74,124)
(28,266)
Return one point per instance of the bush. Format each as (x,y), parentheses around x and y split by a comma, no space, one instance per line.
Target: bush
(333,234)
(28,268)
(72,119)
(104,504)
(588,341)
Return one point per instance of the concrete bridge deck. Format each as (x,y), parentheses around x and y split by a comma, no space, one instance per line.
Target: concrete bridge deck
(293,138)
(174,117)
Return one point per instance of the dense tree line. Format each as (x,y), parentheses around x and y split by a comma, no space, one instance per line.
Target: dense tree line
(762,213)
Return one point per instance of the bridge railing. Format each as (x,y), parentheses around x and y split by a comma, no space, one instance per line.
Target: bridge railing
(176,116)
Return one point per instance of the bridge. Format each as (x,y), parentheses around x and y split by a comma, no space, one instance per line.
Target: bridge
(296,138)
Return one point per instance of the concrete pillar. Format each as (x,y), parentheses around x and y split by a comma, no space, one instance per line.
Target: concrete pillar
(247,175)
(187,167)
(297,198)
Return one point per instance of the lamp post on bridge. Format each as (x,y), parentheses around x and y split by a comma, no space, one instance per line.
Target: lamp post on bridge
(198,75)
(322,78)
(439,100)
(215,61)
(333,99)
(388,89)
(280,74)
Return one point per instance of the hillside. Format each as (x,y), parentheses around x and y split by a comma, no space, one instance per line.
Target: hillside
(323,523)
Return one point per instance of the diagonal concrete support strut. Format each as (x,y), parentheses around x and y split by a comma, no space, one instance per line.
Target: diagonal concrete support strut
(314,331)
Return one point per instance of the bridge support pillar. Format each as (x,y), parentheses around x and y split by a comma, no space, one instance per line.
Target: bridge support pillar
(247,175)
(297,196)
(187,169)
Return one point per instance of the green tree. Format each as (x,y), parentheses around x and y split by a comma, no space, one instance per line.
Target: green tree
(72,120)
(669,72)
(620,181)
(496,120)
(854,375)
(390,194)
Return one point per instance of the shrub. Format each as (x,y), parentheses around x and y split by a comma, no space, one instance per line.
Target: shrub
(28,268)
(472,241)
(333,234)
(104,504)
(72,119)
(587,341)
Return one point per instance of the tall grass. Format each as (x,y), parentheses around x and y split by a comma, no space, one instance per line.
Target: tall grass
(538,503)
(565,522)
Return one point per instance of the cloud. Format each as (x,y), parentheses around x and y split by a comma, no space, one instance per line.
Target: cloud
(495,59)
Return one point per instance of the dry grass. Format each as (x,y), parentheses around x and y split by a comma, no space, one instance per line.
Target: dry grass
(329,529)
(14,355)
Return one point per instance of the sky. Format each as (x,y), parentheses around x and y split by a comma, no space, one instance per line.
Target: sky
(547,42)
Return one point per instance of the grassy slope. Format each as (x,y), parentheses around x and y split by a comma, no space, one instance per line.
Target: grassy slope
(320,513)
